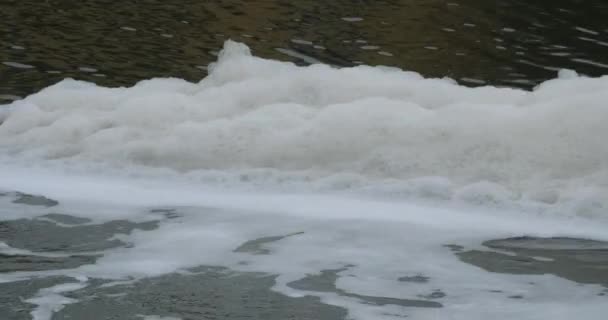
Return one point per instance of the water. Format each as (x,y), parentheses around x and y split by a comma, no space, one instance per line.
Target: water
(507,43)
(230,184)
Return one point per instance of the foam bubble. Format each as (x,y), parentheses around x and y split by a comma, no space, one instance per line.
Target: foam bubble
(377,123)
(503,154)
(51,300)
(370,242)
(157,318)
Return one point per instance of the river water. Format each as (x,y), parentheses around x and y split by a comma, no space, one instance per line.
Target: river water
(365,160)
(507,43)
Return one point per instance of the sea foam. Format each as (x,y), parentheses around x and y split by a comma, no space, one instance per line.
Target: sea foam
(122,153)
(376,129)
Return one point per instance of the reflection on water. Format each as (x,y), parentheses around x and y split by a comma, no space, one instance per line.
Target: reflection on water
(508,42)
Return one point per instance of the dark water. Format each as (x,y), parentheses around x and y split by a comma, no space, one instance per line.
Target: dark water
(509,43)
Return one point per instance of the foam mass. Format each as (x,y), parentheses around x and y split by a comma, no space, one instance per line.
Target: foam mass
(362,127)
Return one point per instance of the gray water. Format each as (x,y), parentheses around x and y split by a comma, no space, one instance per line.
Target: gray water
(209,292)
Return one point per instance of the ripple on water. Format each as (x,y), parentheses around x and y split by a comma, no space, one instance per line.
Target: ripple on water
(17,65)
(579,260)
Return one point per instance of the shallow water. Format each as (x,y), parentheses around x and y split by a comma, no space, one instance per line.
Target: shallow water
(274,256)
(315,190)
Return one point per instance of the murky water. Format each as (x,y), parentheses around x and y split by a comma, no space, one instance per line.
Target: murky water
(509,42)
(40,258)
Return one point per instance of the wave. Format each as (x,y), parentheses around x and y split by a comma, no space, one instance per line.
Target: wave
(380,129)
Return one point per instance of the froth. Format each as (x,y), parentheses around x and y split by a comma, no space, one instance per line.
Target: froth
(339,128)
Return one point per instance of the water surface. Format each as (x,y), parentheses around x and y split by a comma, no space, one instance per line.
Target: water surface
(508,42)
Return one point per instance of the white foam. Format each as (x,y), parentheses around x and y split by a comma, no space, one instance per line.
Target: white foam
(5,249)
(489,162)
(157,318)
(382,240)
(275,122)
(50,300)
